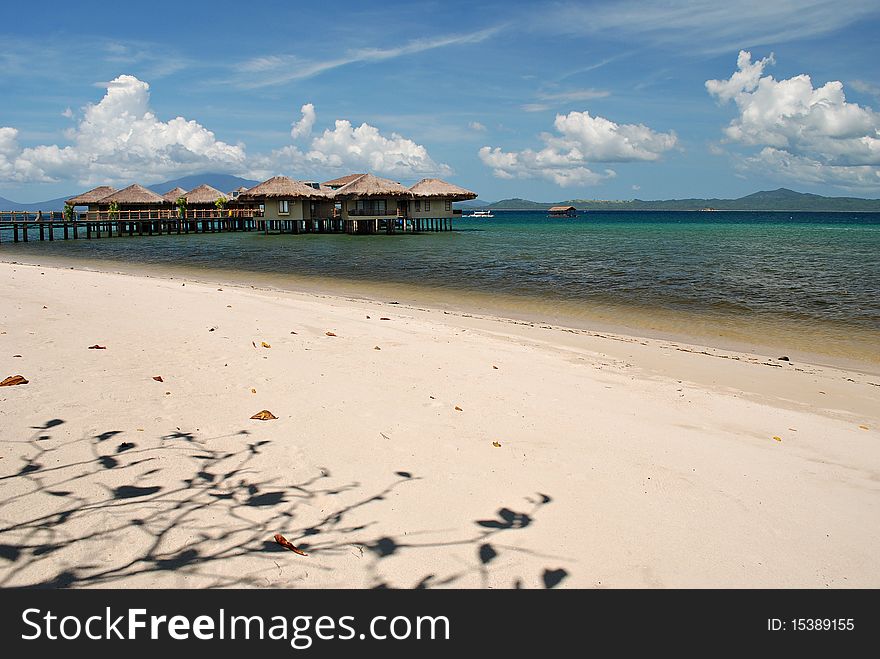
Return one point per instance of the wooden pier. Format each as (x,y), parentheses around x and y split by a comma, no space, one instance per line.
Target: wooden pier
(25,226)
(22,226)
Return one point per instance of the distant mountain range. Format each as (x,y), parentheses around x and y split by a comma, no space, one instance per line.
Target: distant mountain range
(223,182)
(782,199)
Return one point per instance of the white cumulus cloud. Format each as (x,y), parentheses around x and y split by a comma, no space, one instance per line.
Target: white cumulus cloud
(805,133)
(303,127)
(120,139)
(347,147)
(581,140)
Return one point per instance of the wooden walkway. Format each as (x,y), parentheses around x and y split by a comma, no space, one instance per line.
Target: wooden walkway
(21,226)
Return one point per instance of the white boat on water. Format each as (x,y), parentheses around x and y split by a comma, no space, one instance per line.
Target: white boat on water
(483,214)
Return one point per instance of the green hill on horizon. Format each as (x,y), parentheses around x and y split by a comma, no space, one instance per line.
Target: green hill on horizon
(781,199)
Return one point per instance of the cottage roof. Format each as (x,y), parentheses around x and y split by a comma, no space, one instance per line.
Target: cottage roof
(174,194)
(203,194)
(368,185)
(92,196)
(282,186)
(435,187)
(133,194)
(342,180)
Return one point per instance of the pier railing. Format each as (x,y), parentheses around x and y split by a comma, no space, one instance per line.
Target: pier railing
(366,212)
(168,214)
(131,216)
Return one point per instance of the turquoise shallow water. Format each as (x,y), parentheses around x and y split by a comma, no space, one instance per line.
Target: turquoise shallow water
(811,278)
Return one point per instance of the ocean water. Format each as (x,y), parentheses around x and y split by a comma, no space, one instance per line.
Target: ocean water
(807,282)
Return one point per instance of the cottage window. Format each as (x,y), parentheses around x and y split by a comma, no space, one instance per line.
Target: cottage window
(427,205)
(380,207)
(283,208)
(448,205)
(418,205)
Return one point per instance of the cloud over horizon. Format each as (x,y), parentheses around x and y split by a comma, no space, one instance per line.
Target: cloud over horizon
(120,139)
(804,133)
(349,147)
(581,139)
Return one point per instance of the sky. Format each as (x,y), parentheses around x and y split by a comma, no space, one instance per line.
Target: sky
(541,100)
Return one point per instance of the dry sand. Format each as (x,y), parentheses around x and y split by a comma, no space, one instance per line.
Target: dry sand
(575,460)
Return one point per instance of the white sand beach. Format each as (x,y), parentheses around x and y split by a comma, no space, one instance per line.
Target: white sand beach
(412,447)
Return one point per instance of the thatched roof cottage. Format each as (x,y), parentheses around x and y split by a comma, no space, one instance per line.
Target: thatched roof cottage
(371,197)
(282,198)
(92,197)
(133,197)
(433,197)
(203,196)
(173,195)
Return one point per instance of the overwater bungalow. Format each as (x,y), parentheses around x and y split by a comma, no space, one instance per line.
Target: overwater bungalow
(290,203)
(203,196)
(355,203)
(562,211)
(135,202)
(433,197)
(370,203)
(173,195)
(91,198)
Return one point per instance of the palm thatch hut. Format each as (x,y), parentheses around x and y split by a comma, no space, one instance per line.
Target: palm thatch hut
(433,197)
(562,211)
(203,196)
(133,197)
(283,199)
(92,197)
(369,196)
(173,195)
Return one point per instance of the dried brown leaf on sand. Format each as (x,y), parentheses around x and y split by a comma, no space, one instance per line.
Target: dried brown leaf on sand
(13,380)
(264,344)
(158,378)
(384,319)
(253,391)
(264,415)
(458,409)
(284,542)
(377,348)
(496,444)
(329,333)
(97,347)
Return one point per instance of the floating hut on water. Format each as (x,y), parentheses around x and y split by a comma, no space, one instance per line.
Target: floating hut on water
(563,211)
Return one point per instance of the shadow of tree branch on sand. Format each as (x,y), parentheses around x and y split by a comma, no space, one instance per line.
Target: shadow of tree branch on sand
(219,513)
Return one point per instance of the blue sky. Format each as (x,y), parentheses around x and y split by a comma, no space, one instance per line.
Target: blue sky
(547,101)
